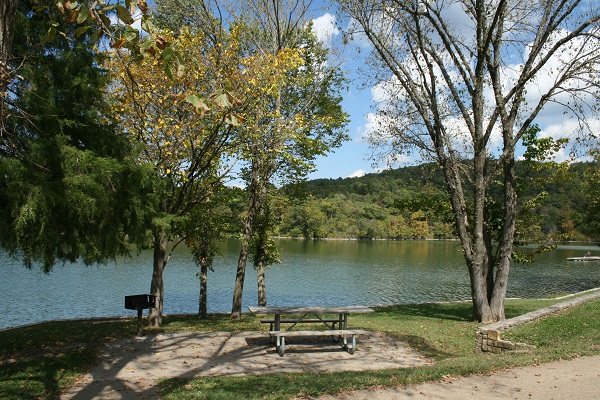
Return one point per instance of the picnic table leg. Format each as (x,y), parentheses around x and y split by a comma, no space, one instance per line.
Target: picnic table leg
(348,349)
(276,326)
(281,345)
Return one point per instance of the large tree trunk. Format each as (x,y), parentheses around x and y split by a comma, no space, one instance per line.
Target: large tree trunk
(8,12)
(506,243)
(202,308)
(262,286)
(477,272)
(238,290)
(481,264)
(157,286)
(260,262)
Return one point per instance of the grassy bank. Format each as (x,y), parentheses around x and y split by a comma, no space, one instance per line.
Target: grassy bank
(41,361)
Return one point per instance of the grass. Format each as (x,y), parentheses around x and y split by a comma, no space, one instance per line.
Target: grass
(41,361)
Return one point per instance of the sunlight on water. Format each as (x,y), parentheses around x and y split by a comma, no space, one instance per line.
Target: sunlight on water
(311,273)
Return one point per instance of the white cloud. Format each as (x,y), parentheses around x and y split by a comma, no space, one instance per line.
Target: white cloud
(380,93)
(369,128)
(399,160)
(325,29)
(357,174)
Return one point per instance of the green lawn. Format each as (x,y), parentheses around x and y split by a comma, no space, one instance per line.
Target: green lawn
(39,362)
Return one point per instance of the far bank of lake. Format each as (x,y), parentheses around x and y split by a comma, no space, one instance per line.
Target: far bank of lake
(328,272)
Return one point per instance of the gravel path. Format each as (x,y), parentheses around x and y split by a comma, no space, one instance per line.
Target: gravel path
(563,380)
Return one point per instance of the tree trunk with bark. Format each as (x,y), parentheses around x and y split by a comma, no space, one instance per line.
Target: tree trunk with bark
(8,12)
(157,285)
(238,290)
(202,307)
(262,285)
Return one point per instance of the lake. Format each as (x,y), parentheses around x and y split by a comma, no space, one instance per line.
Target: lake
(331,272)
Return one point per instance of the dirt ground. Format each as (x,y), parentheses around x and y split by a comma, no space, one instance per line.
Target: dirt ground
(129,369)
(563,380)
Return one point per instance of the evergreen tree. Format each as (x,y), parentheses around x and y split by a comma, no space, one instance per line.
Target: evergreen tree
(67,190)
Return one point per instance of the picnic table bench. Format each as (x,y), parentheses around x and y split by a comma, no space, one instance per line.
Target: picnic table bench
(344,333)
(311,315)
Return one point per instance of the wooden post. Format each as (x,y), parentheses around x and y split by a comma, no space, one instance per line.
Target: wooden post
(139,321)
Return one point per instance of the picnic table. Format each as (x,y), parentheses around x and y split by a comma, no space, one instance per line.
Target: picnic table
(311,314)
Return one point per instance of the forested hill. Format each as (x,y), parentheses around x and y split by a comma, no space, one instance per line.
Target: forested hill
(411,203)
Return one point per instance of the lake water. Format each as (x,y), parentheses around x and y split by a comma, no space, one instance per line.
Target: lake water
(311,273)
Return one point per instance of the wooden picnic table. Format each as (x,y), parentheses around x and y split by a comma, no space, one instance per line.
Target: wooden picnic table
(310,314)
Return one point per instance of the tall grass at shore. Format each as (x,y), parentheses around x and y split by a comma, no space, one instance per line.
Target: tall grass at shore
(41,361)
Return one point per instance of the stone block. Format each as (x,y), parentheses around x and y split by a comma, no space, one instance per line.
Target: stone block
(494,335)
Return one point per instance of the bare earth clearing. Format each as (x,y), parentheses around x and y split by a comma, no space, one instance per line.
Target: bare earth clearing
(129,369)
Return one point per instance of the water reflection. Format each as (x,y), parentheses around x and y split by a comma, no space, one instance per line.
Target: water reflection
(312,272)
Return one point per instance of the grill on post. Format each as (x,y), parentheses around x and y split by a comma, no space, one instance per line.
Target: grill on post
(140,302)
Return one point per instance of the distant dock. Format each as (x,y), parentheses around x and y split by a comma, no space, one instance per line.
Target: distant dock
(589,258)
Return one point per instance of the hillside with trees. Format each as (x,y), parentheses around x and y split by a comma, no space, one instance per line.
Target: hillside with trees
(410,203)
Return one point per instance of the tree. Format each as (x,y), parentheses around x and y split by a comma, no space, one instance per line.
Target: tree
(458,76)
(263,249)
(208,223)
(268,137)
(293,112)
(419,227)
(68,189)
(66,195)
(8,12)
(184,130)
(292,125)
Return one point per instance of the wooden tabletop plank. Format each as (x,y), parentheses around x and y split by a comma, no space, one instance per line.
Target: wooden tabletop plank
(310,310)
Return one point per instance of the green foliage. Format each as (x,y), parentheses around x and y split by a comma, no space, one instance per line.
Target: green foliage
(68,190)
(554,203)
(82,208)
(591,188)
(208,222)
(261,246)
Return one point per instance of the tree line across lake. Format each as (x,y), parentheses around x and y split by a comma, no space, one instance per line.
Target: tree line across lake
(411,203)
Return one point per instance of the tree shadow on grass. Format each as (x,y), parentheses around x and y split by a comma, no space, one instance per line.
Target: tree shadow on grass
(459,311)
(26,377)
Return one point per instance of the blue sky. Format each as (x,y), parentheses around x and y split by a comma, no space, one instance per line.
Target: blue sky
(352,158)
